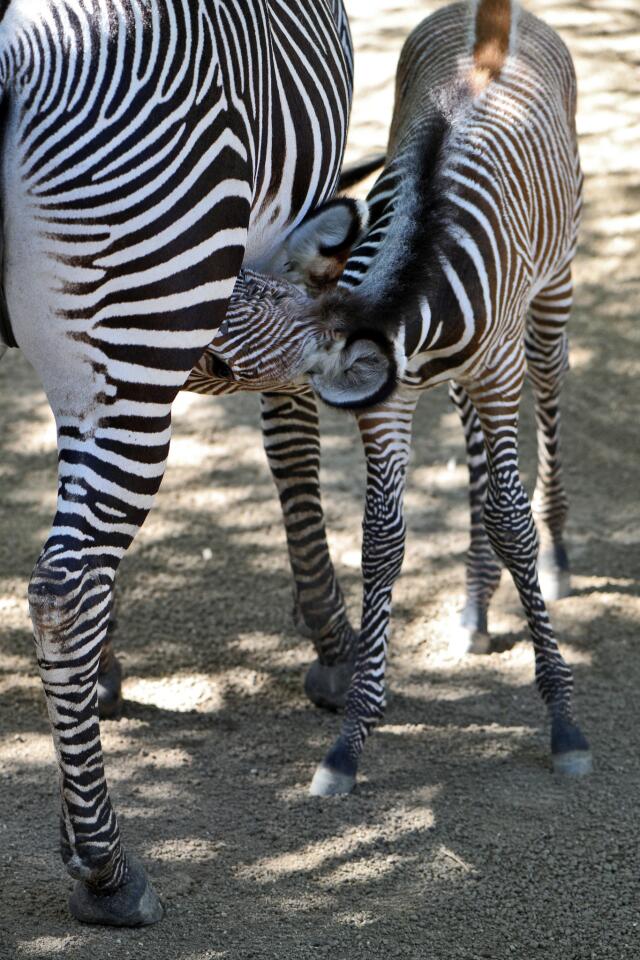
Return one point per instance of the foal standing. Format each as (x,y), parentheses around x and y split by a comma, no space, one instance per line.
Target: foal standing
(465,271)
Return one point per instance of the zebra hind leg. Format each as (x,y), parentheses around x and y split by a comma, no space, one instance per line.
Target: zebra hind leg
(386,434)
(547,361)
(513,535)
(107,480)
(291,438)
(483,569)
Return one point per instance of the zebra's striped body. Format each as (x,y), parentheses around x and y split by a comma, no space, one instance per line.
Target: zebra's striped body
(148,151)
(466,262)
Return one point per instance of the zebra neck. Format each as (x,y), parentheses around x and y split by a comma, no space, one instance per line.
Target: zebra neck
(398,263)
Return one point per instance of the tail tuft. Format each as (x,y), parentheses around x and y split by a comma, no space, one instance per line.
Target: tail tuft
(492,33)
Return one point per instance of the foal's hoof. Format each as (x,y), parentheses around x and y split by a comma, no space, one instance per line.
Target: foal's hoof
(336,775)
(570,750)
(470,634)
(134,904)
(553,573)
(110,690)
(327,686)
(554,584)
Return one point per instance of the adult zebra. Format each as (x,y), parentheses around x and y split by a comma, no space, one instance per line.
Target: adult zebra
(466,263)
(149,150)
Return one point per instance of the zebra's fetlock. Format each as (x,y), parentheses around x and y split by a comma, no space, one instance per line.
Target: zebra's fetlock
(85,861)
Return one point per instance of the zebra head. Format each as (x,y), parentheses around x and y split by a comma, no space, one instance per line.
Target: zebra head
(275,334)
(286,329)
(360,356)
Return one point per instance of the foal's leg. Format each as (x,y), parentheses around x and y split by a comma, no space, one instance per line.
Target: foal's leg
(292,442)
(512,533)
(547,360)
(386,434)
(483,570)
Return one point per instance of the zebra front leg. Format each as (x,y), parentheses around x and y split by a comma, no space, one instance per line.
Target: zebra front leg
(386,434)
(483,571)
(109,472)
(547,361)
(512,533)
(292,443)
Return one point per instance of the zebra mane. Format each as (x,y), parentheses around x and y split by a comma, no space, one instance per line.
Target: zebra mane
(422,212)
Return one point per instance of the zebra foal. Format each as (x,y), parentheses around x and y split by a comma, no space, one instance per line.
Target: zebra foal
(149,151)
(465,266)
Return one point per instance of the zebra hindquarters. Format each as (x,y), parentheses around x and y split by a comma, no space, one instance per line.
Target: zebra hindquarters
(386,435)
(512,533)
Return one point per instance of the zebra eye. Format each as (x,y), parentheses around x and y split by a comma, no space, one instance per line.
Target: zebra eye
(223,329)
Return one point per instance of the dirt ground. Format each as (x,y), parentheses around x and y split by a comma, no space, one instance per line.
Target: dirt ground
(459,842)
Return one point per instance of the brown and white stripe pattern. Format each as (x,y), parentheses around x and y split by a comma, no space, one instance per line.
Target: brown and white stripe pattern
(468,260)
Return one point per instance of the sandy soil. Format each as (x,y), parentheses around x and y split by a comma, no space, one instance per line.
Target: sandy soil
(459,842)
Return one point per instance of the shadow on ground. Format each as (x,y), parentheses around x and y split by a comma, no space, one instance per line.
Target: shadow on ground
(459,841)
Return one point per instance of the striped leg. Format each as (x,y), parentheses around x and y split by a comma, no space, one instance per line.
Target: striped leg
(386,434)
(512,533)
(483,570)
(547,360)
(291,437)
(110,467)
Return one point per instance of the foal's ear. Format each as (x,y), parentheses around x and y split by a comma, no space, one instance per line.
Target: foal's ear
(316,252)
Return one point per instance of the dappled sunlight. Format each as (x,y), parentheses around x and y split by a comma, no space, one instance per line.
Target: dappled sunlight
(190,849)
(182,693)
(457,823)
(400,821)
(27,750)
(45,947)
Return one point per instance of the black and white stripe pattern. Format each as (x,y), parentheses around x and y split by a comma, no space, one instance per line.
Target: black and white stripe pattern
(149,150)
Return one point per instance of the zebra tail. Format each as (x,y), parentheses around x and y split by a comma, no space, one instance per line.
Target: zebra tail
(492,37)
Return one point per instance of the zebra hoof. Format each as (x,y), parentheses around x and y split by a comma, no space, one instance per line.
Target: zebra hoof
(336,775)
(554,584)
(570,750)
(470,634)
(463,642)
(110,691)
(134,904)
(326,686)
(553,573)
(576,763)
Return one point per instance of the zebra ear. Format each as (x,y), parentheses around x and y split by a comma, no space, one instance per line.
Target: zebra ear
(316,252)
(356,372)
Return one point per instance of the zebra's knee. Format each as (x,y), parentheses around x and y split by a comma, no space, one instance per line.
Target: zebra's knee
(509,521)
(57,599)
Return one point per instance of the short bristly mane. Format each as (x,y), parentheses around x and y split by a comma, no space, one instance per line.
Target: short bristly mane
(417,233)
